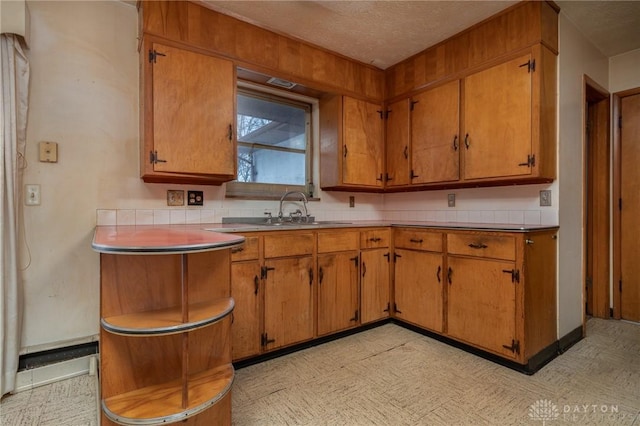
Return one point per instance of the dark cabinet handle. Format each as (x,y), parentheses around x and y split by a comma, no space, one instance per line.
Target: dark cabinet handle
(438,273)
(455,143)
(256,284)
(413,240)
(310,276)
(406,152)
(320,275)
(230,134)
(375,239)
(466,140)
(478,246)
(355,317)
(237,249)
(344,151)
(449,274)
(364,269)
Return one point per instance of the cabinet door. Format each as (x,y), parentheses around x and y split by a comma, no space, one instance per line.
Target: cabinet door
(497,121)
(435,144)
(193,113)
(397,144)
(337,292)
(288,301)
(246,293)
(374,285)
(481,307)
(362,143)
(418,288)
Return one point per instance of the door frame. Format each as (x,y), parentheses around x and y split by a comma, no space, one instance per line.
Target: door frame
(617,194)
(597,196)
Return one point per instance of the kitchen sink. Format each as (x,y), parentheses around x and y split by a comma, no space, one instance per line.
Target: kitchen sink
(285,223)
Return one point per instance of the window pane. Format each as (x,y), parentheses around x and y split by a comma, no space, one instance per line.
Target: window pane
(270,166)
(272,140)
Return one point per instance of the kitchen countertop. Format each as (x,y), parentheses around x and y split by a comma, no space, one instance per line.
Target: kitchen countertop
(168,239)
(253,227)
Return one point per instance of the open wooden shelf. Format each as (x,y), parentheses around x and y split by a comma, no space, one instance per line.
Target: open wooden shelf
(162,403)
(169,321)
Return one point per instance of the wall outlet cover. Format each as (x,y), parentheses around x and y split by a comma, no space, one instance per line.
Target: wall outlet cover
(175,197)
(195,198)
(545,197)
(451,200)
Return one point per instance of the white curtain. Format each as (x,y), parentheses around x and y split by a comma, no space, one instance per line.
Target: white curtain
(13,127)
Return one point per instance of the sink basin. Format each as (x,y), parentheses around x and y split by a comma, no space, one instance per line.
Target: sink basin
(313,223)
(261,221)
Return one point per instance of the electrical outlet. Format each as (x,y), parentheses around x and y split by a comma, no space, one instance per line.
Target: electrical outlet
(545,197)
(195,198)
(175,197)
(451,200)
(352,201)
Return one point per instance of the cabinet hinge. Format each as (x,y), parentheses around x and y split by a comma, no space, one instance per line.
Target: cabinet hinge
(395,308)
(620,286)
(264,271)
(388,256)
(153,158)
(388,307)
(413,175)
(531,161)
(395,257)
(530,64)
(383,114)
(153,55)
(264,339)
(412,105)
(515,274)
(620,122)
(355,259)
(387,178)
(515,346)
(619,203)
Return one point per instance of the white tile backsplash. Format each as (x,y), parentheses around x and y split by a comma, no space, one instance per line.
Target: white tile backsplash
(195,216)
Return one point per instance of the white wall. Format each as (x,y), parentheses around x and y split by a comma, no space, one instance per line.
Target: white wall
(577,58)
(84,95)
(624,71)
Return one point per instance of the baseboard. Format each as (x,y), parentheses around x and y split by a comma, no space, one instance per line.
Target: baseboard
(50,373)
(570,339)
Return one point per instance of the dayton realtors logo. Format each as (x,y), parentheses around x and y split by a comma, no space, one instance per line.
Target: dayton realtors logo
(543,410)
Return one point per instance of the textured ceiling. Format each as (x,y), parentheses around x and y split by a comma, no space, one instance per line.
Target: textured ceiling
(383,33)
(612,26)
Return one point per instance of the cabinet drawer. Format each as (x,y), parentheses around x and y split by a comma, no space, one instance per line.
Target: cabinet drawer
(482,245)
(418,239)
(374,238)
(293,244)
(248,251)
(337,241)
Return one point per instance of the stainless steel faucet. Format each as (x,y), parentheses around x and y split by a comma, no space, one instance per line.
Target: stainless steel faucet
(304,204)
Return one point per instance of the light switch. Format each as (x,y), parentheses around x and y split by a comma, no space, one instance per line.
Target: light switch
(32,195)
(48,152)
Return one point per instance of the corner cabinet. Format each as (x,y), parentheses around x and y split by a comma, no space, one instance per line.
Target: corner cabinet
(351,144)
(509,121)
(187,116)
(165,337)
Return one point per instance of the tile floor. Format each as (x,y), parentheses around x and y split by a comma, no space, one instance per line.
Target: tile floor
(392,376)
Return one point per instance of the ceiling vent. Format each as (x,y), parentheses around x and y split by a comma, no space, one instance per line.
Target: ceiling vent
(281,83)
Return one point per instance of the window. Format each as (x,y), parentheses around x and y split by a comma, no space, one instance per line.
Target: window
(274,141)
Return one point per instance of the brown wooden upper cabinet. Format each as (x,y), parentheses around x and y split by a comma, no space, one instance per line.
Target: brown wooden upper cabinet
(351,144)
(491,127)
(422,137)
(189,116)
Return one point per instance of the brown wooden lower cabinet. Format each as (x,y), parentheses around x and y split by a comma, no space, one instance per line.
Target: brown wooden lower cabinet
(492,290)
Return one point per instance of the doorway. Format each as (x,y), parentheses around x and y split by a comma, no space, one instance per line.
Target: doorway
(626,251)
(597,199)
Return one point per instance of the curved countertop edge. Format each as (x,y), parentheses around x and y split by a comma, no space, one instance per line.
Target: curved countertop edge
(160,239)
